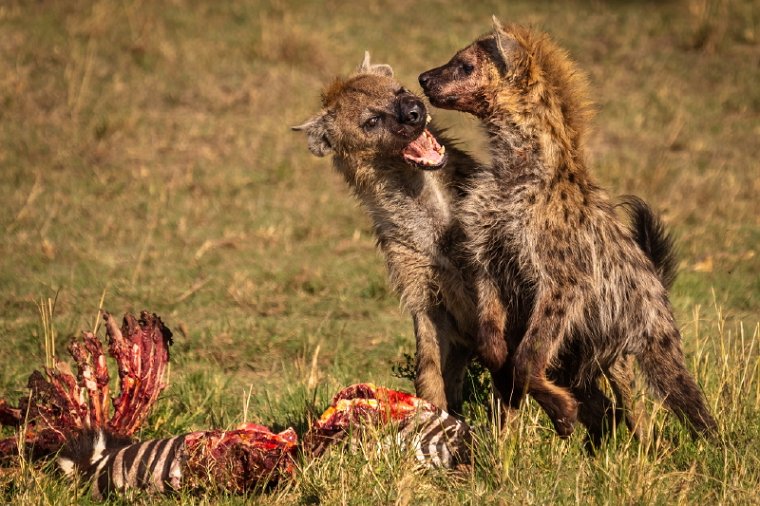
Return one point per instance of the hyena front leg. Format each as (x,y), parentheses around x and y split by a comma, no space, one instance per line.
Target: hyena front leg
(492,347)
(547,329)
(492,316)
(435,336)
(454,367)
(510,398)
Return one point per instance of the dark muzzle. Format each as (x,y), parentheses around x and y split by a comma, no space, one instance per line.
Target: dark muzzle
(411,110)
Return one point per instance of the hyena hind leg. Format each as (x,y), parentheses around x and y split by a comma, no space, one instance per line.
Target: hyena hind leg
(629,405)
(597,413)
(662,362)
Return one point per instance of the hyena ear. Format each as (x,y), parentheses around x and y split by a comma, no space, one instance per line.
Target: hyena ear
(498,29)
(367,68)
(507,48)
(316,134)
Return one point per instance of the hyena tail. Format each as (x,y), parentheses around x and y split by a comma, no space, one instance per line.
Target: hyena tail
(666,373)
(652,237)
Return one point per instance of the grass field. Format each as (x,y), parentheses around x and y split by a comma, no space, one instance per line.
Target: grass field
(145,153)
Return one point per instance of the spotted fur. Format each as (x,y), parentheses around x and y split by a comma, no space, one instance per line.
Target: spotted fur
(415,219)
(412,218)
(546,237)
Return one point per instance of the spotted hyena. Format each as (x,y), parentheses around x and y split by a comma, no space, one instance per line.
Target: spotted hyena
(408,178)
(411,180)
(574,272)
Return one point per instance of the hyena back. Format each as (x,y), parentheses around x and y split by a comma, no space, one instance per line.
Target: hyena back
(575,266)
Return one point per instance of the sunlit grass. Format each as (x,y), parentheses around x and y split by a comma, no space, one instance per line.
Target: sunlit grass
(145,154)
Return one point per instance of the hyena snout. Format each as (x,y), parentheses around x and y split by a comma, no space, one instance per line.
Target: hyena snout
(411,111)
(426,80)
(434,83)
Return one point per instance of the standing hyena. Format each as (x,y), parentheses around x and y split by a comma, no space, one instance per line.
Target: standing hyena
(375,131)
(573,269)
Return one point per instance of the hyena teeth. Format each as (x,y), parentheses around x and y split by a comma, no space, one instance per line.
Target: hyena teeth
(409,224)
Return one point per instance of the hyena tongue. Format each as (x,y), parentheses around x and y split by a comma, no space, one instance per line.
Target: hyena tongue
(425,152)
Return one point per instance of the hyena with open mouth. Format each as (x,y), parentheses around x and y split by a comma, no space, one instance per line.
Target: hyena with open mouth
(411,180)
(575,271)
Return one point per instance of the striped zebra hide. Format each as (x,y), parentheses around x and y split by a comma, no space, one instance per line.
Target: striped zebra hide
(235,460)
(436,438)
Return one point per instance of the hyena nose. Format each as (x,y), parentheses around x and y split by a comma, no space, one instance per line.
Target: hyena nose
(424,80)
(411,111)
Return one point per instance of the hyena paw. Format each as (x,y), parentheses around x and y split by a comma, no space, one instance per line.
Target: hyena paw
(492,348)
(565,421)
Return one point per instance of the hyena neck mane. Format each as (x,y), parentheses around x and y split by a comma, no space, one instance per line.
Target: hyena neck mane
(541,111)
(383,183)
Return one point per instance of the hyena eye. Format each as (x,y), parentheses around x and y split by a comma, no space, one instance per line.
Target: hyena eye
(467,68)
(371,123)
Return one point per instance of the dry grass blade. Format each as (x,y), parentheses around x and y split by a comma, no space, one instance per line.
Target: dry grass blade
(131,133)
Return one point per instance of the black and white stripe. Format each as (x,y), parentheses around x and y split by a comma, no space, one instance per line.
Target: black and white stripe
(438,439)
(111,464)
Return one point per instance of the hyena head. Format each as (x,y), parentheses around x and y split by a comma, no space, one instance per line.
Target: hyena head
(512,73)
(369,115)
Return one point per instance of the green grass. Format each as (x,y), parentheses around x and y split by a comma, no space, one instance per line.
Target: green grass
(145,151)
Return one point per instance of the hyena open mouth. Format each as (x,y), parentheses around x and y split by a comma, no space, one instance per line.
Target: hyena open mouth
(425,152)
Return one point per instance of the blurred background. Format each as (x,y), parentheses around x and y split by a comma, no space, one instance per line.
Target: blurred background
(146,156)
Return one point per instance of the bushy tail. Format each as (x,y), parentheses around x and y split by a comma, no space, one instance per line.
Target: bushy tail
(662,360)
(650,234)
(667,375)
